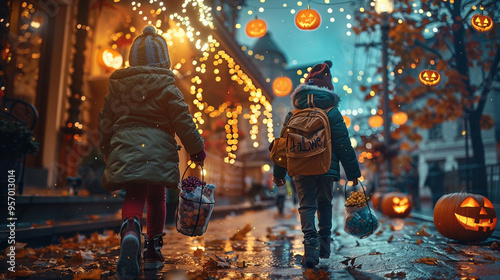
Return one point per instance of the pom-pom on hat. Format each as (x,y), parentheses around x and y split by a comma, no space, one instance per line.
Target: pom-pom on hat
(149,49)
(320,75)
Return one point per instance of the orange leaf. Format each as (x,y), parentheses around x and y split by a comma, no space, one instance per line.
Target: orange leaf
(390,239)
(419,241)
(487,122)
(427,260)
(92,275)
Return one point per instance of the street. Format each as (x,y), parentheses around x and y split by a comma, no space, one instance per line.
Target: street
(264,245)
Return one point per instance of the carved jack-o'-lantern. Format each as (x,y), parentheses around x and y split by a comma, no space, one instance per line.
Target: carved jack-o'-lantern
(397,205)
(465,217)
(481,23)
(256,28)
(429,77)
(110,59)
(307,19)
(282,86)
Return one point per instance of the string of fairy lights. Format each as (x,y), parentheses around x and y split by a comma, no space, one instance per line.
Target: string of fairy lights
(261,108)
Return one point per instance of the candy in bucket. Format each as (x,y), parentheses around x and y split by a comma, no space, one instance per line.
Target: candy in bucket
(359,219)
(196,203)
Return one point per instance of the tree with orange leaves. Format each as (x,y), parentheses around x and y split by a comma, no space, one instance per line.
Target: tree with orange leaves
(467,60)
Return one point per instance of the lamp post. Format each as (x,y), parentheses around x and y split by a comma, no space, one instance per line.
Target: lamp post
(385,8)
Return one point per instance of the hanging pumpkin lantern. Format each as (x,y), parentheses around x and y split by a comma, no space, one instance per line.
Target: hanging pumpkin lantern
(256,28)
(429,77)
(282,86)
(347,121)
(481,23)
(399,118)
(110,59)
(375,121)
(396,205)
(307,19)
(465,217)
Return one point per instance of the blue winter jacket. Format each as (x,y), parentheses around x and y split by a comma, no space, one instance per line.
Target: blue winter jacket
(305,96)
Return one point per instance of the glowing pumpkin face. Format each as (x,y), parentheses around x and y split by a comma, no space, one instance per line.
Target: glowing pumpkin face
(429,77)
(282,86)
(110,59)
(465,217)
(397,205)
(307,19)
(481,23)
(256,28)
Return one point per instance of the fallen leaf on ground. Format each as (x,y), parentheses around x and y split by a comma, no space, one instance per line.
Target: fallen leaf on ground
(375,253)
(427,260)
(495,245)
(419,241)
(49,222)
(316,274)
(396,275)
(198,253)
(92,275)
(379,233)
(20,273)
(240,235)
(490,257)
(92,217)
(392,227)
(422,232)
(390,239)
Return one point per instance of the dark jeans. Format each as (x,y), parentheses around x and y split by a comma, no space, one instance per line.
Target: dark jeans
(315,194)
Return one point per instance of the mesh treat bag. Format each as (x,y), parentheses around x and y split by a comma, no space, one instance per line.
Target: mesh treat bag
(196,204)
(359,219)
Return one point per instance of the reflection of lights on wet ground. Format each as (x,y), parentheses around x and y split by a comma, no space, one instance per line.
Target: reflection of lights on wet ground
(397,224)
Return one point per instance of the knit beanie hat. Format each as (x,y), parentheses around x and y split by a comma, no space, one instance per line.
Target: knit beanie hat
(149,49)
(320,75)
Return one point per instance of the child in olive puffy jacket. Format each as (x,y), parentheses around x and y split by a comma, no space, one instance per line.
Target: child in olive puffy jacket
(316,192)
(141,116)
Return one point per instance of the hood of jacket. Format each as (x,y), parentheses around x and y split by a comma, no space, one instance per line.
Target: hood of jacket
(305,96)
(145,81)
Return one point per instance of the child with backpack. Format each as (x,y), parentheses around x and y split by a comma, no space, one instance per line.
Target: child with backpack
(323,148)
(142,114)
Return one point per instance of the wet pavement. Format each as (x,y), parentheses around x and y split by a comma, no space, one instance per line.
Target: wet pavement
(264,245)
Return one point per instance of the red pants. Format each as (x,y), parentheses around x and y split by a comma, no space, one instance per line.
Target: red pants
(133,206)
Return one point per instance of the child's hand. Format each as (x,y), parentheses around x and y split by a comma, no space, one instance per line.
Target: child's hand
(355,182)
(279,181)
(199,157)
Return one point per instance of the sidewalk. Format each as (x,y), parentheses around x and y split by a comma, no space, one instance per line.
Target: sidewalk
(43,219)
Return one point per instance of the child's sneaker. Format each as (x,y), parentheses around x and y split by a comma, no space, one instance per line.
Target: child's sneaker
(153,259)
(324,247)
(311,253)
(127,267)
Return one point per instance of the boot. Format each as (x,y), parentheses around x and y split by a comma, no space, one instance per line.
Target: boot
(128,267)
(311,253)
(324,246)
(153,259)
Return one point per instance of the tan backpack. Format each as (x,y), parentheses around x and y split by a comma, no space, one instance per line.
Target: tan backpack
(305,143)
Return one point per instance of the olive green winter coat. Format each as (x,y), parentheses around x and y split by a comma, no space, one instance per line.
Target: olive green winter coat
(305,96)
(141,116)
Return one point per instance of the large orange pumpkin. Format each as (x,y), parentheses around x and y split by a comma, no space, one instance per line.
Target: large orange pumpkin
(256,28)
(396,205)
(376,198)
(481,23)
(307,19)
(429,77)
(282,86)
(465,217)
